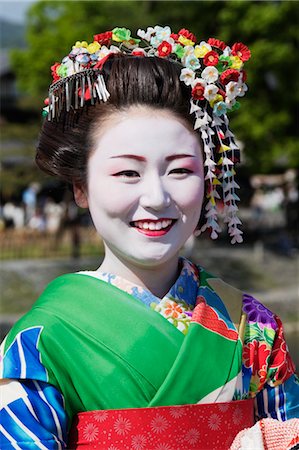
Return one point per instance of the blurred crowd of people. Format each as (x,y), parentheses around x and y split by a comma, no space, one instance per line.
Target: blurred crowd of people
(39,213)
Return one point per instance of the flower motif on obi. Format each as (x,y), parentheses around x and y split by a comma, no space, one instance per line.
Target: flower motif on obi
(210,74)
(100,416)
(90,432)
(258,313)
(217,43)
(139,442)
(187,76)
(211,58)
(164,49)
(191,62)
(214,422)
(202,49)
(241,51)
(122,426)
(192,436)
(159,424)
(103,38)
(211,91)
(220,108)
(94,47)
(121,34)
(198,91)
(236,62)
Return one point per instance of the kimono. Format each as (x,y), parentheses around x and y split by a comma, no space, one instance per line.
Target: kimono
(96,342)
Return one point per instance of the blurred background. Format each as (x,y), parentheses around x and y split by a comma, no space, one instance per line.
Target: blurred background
(42,232)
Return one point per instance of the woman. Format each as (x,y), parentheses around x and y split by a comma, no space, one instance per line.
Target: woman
(147,329)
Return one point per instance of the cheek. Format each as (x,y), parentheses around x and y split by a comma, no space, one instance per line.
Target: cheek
(107,197)
(190,195)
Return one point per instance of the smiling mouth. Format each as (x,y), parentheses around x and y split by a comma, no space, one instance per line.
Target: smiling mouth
(153,227)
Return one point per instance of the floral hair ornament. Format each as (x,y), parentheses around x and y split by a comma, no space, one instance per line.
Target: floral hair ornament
(214,72)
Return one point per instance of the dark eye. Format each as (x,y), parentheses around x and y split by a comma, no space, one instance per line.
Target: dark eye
(181,170)
(127,174)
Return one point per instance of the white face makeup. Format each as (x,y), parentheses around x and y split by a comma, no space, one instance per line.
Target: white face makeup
(145,188)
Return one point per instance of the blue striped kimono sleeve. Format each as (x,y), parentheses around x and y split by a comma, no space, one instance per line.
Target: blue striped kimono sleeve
(280,402)
(35,418)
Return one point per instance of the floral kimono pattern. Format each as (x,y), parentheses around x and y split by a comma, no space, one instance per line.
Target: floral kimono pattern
(65,352)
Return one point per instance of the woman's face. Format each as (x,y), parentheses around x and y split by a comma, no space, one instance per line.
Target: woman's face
(145,186)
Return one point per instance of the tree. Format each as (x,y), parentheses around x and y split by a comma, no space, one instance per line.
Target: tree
(266,122)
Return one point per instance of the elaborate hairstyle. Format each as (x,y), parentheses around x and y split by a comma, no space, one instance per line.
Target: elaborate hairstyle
(162,70)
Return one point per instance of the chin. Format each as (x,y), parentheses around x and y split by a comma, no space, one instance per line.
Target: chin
(152,260)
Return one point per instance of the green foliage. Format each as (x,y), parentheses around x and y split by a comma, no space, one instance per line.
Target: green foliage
(266,122)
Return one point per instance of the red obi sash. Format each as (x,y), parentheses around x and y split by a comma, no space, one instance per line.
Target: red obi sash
(200,427)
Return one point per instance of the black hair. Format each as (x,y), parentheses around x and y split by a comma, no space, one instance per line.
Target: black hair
(63,150)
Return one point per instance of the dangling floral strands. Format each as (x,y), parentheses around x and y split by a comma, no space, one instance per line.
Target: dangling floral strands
(213,71)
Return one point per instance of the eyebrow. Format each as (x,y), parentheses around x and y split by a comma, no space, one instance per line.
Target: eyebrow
(179,156)
(141,158)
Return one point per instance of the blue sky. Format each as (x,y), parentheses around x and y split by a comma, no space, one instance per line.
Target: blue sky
(14,11)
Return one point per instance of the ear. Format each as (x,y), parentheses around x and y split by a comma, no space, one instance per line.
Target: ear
(80,195)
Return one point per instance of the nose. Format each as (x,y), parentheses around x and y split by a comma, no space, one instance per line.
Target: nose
(154,195)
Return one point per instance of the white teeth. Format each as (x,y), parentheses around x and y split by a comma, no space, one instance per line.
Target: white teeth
(153,225)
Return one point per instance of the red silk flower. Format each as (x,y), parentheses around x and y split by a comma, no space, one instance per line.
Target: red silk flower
(241,50)
(138,52)
(198,91)
(211,58)
(187,34)
(174,36)
(55,75)
(217,43)
(103,38)
(164,48)
(229,75)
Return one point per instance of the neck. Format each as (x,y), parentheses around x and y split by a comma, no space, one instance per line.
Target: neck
(157,279)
